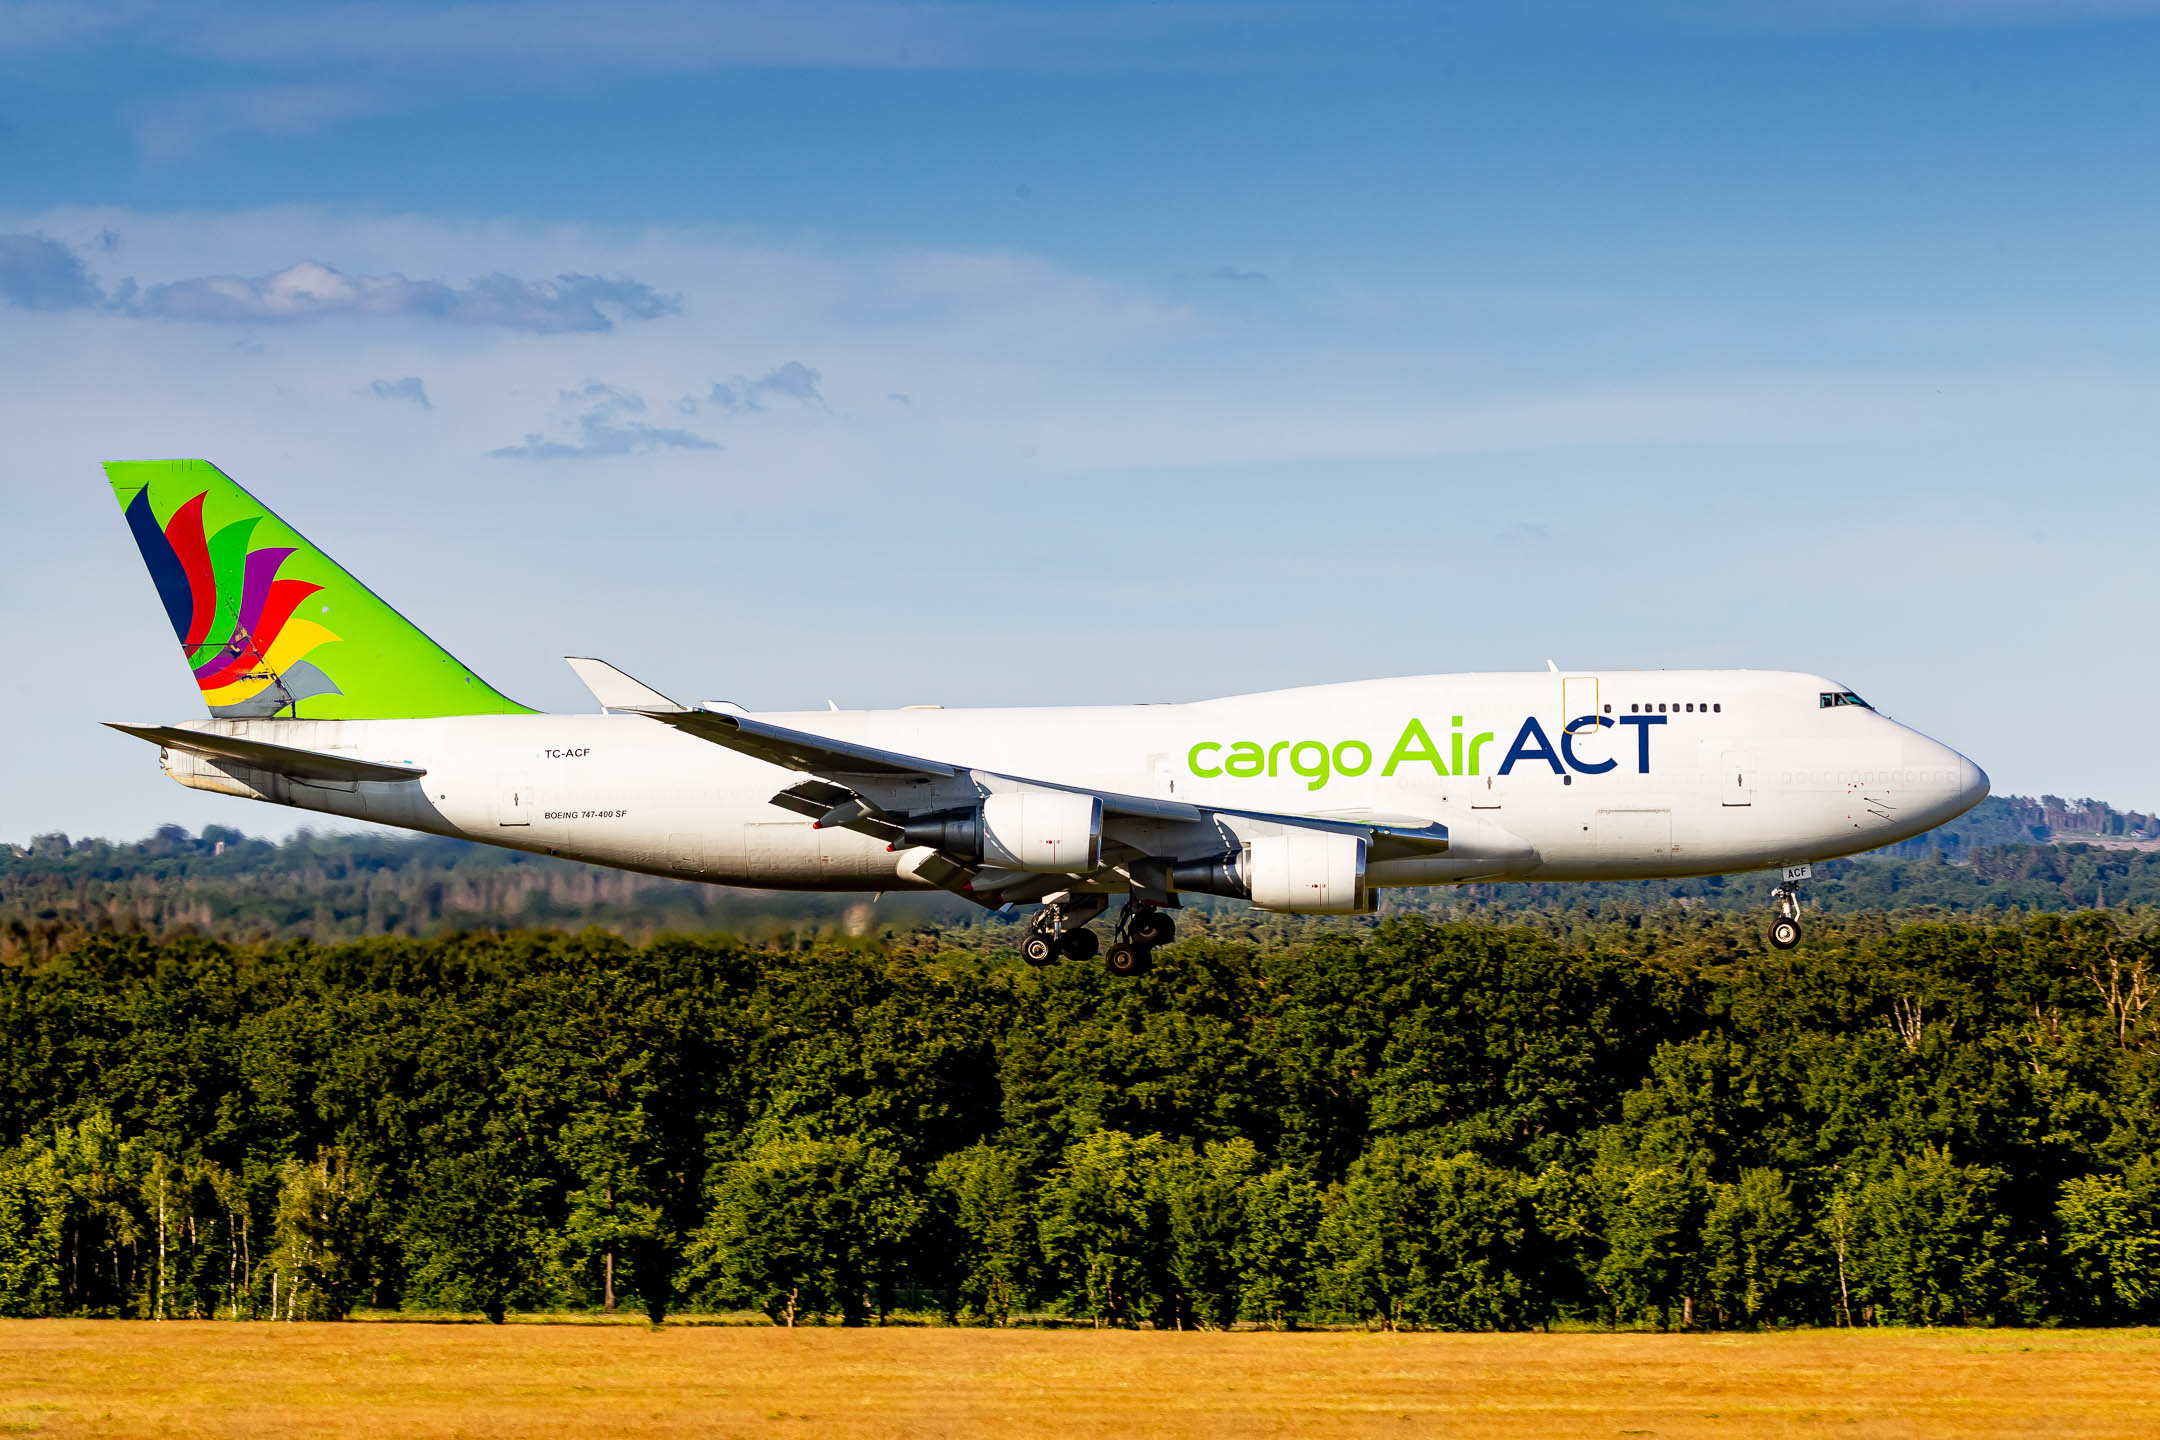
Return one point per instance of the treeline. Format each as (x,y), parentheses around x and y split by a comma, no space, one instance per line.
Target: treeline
(327,887)
(1415,1125)
(346,886)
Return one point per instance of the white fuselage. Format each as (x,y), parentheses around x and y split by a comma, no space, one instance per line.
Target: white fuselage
(1726,770)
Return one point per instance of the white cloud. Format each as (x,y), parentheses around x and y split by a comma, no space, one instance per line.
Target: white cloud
(599,423)
(792,381)
(37,272)
(40,273)
(408,389)
(310,290)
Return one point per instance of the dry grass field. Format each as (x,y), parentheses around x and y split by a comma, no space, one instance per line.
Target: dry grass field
(389,1381)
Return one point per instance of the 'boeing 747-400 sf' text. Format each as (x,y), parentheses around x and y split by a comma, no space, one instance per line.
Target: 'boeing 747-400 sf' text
(323,697)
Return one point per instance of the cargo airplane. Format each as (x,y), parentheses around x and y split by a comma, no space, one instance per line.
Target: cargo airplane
(1309,800)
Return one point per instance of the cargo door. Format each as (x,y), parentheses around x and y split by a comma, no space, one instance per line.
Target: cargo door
(779,849)
(1738,777)
(1642,837)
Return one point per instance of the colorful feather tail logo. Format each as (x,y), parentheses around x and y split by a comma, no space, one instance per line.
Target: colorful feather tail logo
(238,623)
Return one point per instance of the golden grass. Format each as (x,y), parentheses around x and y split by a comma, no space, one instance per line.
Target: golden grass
(389,1381)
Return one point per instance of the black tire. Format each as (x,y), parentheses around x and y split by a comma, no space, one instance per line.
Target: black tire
(1080,944)
(1124,958)
(1038,949)
(1784,932)
(1151,928)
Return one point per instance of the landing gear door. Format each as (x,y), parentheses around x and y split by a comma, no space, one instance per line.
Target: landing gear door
(1579,704)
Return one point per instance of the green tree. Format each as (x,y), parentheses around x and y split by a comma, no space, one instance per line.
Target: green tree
(102,1235)
(2111,1243)
(981,1197)
(472,1240)
(1275,1254)
(612,1214)
(1105,1229)
(1432,1240)
(1653,1225)
(1934,1244)
(323,1237)
(802,1228)
(1760,1257)
(1204,1198)
(33,1232)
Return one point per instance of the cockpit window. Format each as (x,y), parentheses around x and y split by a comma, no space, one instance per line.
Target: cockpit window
(1832,698)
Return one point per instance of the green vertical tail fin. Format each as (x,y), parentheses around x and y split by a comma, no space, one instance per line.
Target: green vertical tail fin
(268,623)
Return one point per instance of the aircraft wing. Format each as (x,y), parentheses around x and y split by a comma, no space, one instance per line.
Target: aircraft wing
(854,782)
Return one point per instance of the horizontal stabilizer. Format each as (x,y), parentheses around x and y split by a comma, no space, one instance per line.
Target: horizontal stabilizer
(615,690)
(261,755)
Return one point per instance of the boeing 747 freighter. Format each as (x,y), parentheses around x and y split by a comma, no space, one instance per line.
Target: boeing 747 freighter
(1309,800)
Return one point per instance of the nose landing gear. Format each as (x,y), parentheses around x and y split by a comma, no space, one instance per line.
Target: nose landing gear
(1785,928)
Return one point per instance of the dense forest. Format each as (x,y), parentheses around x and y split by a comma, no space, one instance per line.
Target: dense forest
(1645,1121)
(2002,859)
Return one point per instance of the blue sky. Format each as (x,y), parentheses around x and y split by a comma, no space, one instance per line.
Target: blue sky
(1011,353)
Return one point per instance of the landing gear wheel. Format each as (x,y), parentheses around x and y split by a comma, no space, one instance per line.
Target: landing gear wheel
(1080,945)
(1151,928)
(1126,958)
(1785,929)
(1039,949)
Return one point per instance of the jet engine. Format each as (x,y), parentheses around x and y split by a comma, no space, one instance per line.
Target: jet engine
(1310,872)
(1026,830)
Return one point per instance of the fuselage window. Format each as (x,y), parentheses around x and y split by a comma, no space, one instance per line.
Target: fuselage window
(1719,708)
(1632,709)
(1691,709)
(1661,707)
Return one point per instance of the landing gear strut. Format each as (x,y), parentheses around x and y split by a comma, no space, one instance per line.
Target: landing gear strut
(1785,929)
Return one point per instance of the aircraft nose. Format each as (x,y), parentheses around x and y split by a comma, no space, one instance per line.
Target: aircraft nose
(1958,783)
(1945,783)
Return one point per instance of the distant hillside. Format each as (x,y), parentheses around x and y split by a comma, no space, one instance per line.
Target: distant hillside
(2010,854)
(334,887)
(2022,820)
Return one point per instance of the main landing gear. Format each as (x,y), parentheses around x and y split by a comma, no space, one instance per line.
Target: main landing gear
(1140,928)
(1785,929)
(1059,932)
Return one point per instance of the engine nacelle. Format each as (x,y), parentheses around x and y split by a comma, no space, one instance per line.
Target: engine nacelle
(1048,831)
(1311,872)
